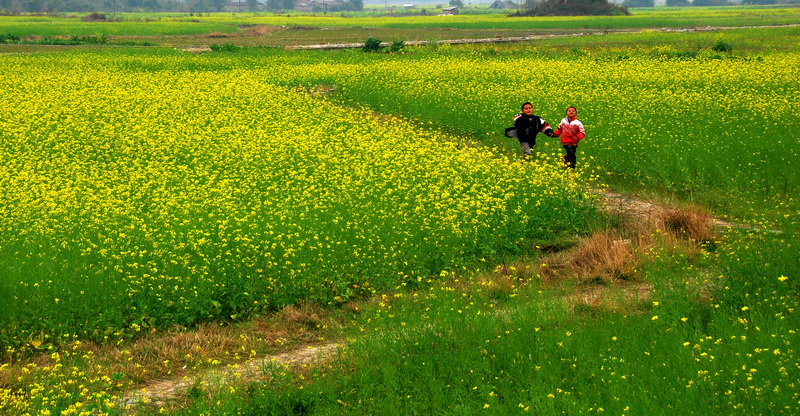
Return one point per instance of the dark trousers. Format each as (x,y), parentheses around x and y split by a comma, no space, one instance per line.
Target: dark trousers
(570,157)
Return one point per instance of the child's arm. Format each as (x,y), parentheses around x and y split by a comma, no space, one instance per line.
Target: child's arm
(547,130)
(558,131)
(581,131)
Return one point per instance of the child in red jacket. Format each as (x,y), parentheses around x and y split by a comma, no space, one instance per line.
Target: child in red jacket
(571,131)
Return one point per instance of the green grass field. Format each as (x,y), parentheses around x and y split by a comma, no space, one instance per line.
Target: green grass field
(148,191)
(423,27)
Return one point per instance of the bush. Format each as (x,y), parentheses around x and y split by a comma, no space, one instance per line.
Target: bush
(397,46)
(93,40)
(639,3)
(9,39)
(708,3)
(572,8)
(225,48)
(372,45)
(722,46)
(94,17)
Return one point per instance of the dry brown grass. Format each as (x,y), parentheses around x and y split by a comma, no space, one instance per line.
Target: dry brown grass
(305,314)
(259,30)
(614,256)
(693,223)
(216,35)
(604,257)
(180,351)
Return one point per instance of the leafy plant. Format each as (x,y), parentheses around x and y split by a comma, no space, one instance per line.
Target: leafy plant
(225,48)
(397,46)
(372,45)
(722,46)
(8,39)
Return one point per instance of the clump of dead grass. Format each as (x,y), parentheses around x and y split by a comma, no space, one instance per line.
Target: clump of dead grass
(693,223)
(610,256)
(259,30)
(220,35)
(604,257)
(305,314)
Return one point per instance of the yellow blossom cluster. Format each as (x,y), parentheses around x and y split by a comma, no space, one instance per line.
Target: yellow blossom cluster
(140,191)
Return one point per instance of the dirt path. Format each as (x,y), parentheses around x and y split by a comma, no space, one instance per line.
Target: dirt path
(627,205)
(161,390)
(157,392)
(514,39)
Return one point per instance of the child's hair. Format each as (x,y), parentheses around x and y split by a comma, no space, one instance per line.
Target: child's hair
(524,104)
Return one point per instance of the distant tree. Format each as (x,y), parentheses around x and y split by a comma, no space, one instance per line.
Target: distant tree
(456,3)
(276,5)
(200,6)
(639,3)
(571,8)
(711,3)
(348,6)
(35,6)
(151,5)
(252,5)
(678,3)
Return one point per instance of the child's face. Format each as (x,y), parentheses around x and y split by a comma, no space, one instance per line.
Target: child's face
(572,112)
(527,110)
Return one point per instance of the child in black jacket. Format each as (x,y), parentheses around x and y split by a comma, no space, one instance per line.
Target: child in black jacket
(527,126)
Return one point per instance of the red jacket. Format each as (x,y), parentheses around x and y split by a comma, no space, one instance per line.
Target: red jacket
(571,131)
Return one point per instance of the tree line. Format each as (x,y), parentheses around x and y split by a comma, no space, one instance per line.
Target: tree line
(155,6)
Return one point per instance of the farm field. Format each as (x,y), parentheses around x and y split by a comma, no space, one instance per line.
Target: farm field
(278,30)
(264,198)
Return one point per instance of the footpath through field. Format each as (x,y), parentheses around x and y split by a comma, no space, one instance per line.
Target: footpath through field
(158,392)
(516,39)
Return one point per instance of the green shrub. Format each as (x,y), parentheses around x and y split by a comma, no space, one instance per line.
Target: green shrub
(94,17)
(574,8)
(722,46)
(225,48)
(372,45)
(397,46)
(9,39)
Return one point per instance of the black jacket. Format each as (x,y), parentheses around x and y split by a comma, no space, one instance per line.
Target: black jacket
(529,126)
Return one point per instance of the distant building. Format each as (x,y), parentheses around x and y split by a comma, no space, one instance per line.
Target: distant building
(450,10)
(408,6)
